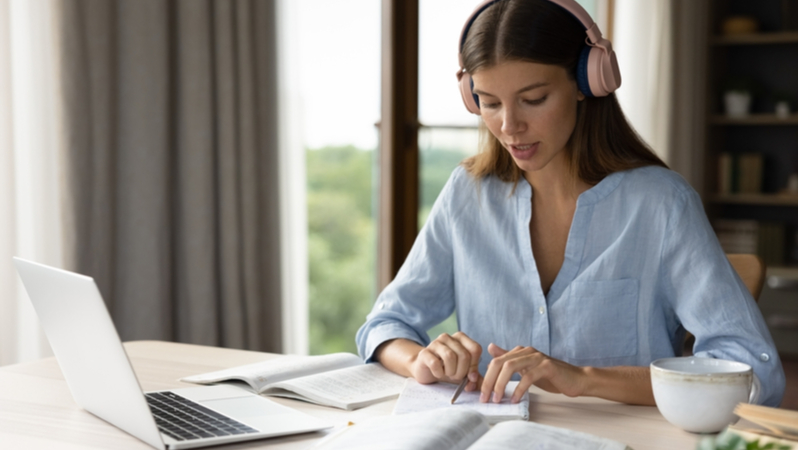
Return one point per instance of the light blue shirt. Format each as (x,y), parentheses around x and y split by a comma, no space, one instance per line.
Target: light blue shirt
(642,265)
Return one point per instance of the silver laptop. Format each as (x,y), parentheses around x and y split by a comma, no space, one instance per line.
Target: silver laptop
(99,374)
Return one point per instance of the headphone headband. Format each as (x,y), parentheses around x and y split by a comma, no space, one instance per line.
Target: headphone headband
(598,72)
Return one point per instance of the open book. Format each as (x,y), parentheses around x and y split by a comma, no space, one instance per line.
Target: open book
(454,429)
(417,397)
(780,423)
(340,380)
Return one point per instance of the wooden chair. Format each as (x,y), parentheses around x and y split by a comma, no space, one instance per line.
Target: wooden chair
(751,270)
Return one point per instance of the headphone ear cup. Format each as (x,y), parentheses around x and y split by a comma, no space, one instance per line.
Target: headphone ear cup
(602,71)
(582,72)
(470,100)
(612,79)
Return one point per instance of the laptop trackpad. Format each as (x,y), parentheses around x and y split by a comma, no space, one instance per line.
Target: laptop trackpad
(242,407)
(266,416)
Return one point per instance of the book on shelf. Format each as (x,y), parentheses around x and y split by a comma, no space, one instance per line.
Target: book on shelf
(340,380)
(751,169)
(765,239)
(725,174)
(737,236)
(416,397)
(740,173)
(454,429)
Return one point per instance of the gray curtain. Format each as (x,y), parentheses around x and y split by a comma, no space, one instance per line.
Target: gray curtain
(171,152)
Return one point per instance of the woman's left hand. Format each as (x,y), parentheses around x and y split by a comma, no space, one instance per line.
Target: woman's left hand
(535,368)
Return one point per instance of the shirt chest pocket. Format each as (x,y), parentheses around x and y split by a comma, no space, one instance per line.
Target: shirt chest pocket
(600,319)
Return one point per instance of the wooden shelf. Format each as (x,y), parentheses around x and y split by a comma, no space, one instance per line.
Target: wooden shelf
(754,119)
(755,199)
(781,37)
(782,271)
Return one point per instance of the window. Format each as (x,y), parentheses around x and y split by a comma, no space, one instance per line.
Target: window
(333,57)
(332,75)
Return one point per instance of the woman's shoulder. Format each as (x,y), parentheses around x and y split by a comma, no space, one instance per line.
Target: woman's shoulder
(467,188)
(464,194)
(654,182)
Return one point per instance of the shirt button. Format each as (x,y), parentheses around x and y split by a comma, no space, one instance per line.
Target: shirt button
(383,305)
(541,310)
(764,357)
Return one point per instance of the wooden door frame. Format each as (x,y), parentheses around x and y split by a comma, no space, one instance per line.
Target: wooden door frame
(398,151)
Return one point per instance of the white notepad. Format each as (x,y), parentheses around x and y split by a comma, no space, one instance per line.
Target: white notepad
(417,397)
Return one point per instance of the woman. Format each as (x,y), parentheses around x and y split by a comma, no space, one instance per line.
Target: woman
(568,250)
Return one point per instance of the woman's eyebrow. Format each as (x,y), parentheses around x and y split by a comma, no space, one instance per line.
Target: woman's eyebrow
(526,88)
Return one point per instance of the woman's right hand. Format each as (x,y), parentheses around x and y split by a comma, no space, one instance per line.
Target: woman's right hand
(450,359)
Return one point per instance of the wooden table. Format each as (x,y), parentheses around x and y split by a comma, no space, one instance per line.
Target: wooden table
(37,409)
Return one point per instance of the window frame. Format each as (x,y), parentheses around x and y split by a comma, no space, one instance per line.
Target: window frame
(398,151)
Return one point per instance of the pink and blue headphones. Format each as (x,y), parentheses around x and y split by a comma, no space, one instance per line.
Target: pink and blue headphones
(598,72)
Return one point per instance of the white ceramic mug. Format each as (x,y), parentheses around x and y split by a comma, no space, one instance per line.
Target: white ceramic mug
(699,394)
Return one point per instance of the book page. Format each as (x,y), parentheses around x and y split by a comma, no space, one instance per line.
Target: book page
(779,422)
(533,435)
(417,397)
(348,388)
(431,430)
(260,374)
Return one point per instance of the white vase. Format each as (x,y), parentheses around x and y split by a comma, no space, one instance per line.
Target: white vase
(737,103)
(782,109)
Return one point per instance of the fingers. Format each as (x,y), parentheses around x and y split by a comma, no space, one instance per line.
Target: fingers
(504,365)
(430,361)
(451,358)
(496,350)
(474,385)
(492,372)
(474,349)
(455,357)
(443,360)
(520,390)
(532,368)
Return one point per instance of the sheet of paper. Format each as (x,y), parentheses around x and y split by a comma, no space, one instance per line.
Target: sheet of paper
(431,430)
(350,385)
(536,436)
(417,397)
(279,369)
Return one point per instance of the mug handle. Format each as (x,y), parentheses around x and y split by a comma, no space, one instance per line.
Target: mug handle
(755,390)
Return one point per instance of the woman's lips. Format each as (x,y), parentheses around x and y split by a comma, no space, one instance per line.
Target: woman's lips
(523,151)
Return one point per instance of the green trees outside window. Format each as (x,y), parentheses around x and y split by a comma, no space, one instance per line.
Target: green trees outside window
(342,237)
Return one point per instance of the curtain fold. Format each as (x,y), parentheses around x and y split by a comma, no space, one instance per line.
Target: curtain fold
(690,44)
(30,182)
(8,232)
(169,122)
(643,42)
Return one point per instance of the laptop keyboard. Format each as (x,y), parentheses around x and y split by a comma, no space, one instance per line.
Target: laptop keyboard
(183,419)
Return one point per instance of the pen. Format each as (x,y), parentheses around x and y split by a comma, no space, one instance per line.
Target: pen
(333,434)
(459,390)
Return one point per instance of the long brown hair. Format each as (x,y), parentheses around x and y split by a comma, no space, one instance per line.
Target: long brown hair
(603,142)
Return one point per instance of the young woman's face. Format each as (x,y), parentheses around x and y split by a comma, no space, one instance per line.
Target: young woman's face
(530,108)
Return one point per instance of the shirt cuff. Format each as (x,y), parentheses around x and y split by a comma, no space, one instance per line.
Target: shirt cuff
(388,331)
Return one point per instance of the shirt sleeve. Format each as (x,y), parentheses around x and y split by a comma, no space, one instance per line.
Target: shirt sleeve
(711,300)
(422,293)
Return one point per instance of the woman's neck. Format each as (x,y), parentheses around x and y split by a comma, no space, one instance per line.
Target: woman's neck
(555,184)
